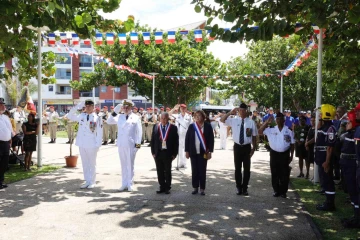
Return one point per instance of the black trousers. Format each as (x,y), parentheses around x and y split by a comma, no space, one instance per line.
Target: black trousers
(198,170)
(328,179)
(279,166)
(163,168)
(350,180)
(4,158)
(242,158)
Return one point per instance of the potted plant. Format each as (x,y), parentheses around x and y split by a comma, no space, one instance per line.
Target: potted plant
(71,160)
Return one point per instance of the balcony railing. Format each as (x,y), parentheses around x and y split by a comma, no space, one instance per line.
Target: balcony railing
(85,64)
(63,93)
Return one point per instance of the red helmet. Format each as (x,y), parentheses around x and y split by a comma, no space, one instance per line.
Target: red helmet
(352,118)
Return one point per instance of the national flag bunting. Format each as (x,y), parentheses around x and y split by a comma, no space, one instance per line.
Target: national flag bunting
(75,39)
(184,32)
(122,38)
(52,40)
(171,36)
(99,38)
(63,38)
(134,37)
(158,37)
(298,27)
(198,35)
(110,38)
(316,29)
(87,42)
(146,37)
(210,38)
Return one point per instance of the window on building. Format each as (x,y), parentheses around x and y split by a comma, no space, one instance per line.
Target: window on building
(63,58)
(64,90)
(117,89)
(103,88)
(84,71)
(51,88)
(63,73)
(85,61)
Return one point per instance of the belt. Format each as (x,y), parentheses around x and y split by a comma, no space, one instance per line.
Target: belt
(321,148)
(244,145)
(4,141)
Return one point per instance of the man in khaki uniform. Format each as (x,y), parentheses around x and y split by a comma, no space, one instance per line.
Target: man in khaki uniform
(70,129)
(112,128)
(53,117)
(105,116)
(151,120)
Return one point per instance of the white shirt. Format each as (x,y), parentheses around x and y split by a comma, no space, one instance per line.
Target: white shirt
(5,128)
(19,116)
(249,125)
(279,141)
(222,125)
(182,122)
(197,141)
(53,117)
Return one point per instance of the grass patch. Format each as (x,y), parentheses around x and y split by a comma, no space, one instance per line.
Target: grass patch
(17,173)
(329,223)
(59,134)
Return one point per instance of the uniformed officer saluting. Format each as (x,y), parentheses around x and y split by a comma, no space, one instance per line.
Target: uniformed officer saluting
(324,144)
(88,139)
(6,133)
(281,141)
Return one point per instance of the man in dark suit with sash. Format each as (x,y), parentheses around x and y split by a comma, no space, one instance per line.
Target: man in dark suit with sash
(164,148)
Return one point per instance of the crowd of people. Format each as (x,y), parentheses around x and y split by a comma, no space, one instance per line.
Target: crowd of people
(177,132)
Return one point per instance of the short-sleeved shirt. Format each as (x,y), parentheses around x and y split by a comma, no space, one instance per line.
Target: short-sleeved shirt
(279,141)
(5,128)
(326,137)
(289,121)
(250,129)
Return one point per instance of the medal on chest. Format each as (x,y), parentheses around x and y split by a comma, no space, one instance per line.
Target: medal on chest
(164,136)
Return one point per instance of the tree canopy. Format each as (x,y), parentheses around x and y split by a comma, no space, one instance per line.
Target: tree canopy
(183,58)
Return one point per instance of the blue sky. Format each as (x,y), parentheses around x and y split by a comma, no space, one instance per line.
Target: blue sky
(167,14)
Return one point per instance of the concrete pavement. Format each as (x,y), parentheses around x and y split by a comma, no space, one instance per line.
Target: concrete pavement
(52,206)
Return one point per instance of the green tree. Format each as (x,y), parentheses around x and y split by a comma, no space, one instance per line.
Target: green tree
(80,16)
(184,58)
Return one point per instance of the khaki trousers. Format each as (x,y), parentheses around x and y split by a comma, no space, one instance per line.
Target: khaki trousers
(105,132)
(70,130)
(143,131)
(149,130)
(52,130)
(113,130)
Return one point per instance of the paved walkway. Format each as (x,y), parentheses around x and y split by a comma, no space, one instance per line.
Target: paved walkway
(52,206)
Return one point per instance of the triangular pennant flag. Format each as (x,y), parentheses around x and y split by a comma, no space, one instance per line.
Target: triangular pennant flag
(99,38)
(198,35)
(110,38)
(158,37)
(122,38)
(52,40)
(134,37)
(171,36)
(75,39)
(146,37)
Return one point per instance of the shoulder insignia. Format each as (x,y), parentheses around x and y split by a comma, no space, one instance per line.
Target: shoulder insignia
(331,133)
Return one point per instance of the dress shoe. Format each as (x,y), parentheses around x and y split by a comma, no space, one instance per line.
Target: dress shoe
(300,175)
(195,192)
(2,186)
(325,207)
(91,186)
(283,195)
(123,188)
(54,140)
(105,143)
(68,142)
(51,141)
(85,185)
(245,192)
(239,191)
(167,192)
(160,191)
(275,194)
(112,142)
(202,193)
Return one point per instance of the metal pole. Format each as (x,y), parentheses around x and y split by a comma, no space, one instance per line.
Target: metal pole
(113,97)
(153,94)
(281,92)
(40,105)
(93,68)
(318,94)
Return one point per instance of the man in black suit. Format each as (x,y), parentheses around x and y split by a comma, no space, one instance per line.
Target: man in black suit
(164,148)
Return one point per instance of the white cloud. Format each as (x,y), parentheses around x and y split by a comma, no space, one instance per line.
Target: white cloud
(165,14)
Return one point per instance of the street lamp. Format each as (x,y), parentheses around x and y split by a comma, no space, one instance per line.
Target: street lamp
(40,105)
(153,90)
(281,89)
(113,89)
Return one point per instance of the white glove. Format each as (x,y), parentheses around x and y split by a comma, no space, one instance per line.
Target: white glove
(118,108)
(80,105)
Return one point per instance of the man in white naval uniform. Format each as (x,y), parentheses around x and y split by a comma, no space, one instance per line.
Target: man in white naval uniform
(223,130)
(19,117)
(128,140)
(88,139)
(182,121)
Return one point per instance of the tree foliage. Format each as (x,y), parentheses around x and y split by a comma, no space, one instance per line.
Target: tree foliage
(80,16)
(183,58)
(299,88)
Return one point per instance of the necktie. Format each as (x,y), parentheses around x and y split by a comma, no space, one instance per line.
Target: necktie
(127,116)
(163,130)
(242,132)
(87,117)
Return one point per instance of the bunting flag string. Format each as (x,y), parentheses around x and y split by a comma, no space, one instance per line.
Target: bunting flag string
(253,76)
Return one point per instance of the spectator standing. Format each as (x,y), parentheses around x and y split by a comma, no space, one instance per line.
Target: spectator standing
(30,130)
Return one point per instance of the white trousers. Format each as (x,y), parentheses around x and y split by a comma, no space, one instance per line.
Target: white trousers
(88,159)
(182,158)
(223,137)
(127,160)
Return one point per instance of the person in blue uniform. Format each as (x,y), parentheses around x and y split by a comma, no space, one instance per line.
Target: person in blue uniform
(308,118)
(348,162)
(289,120)
(269,114)
(325,142)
